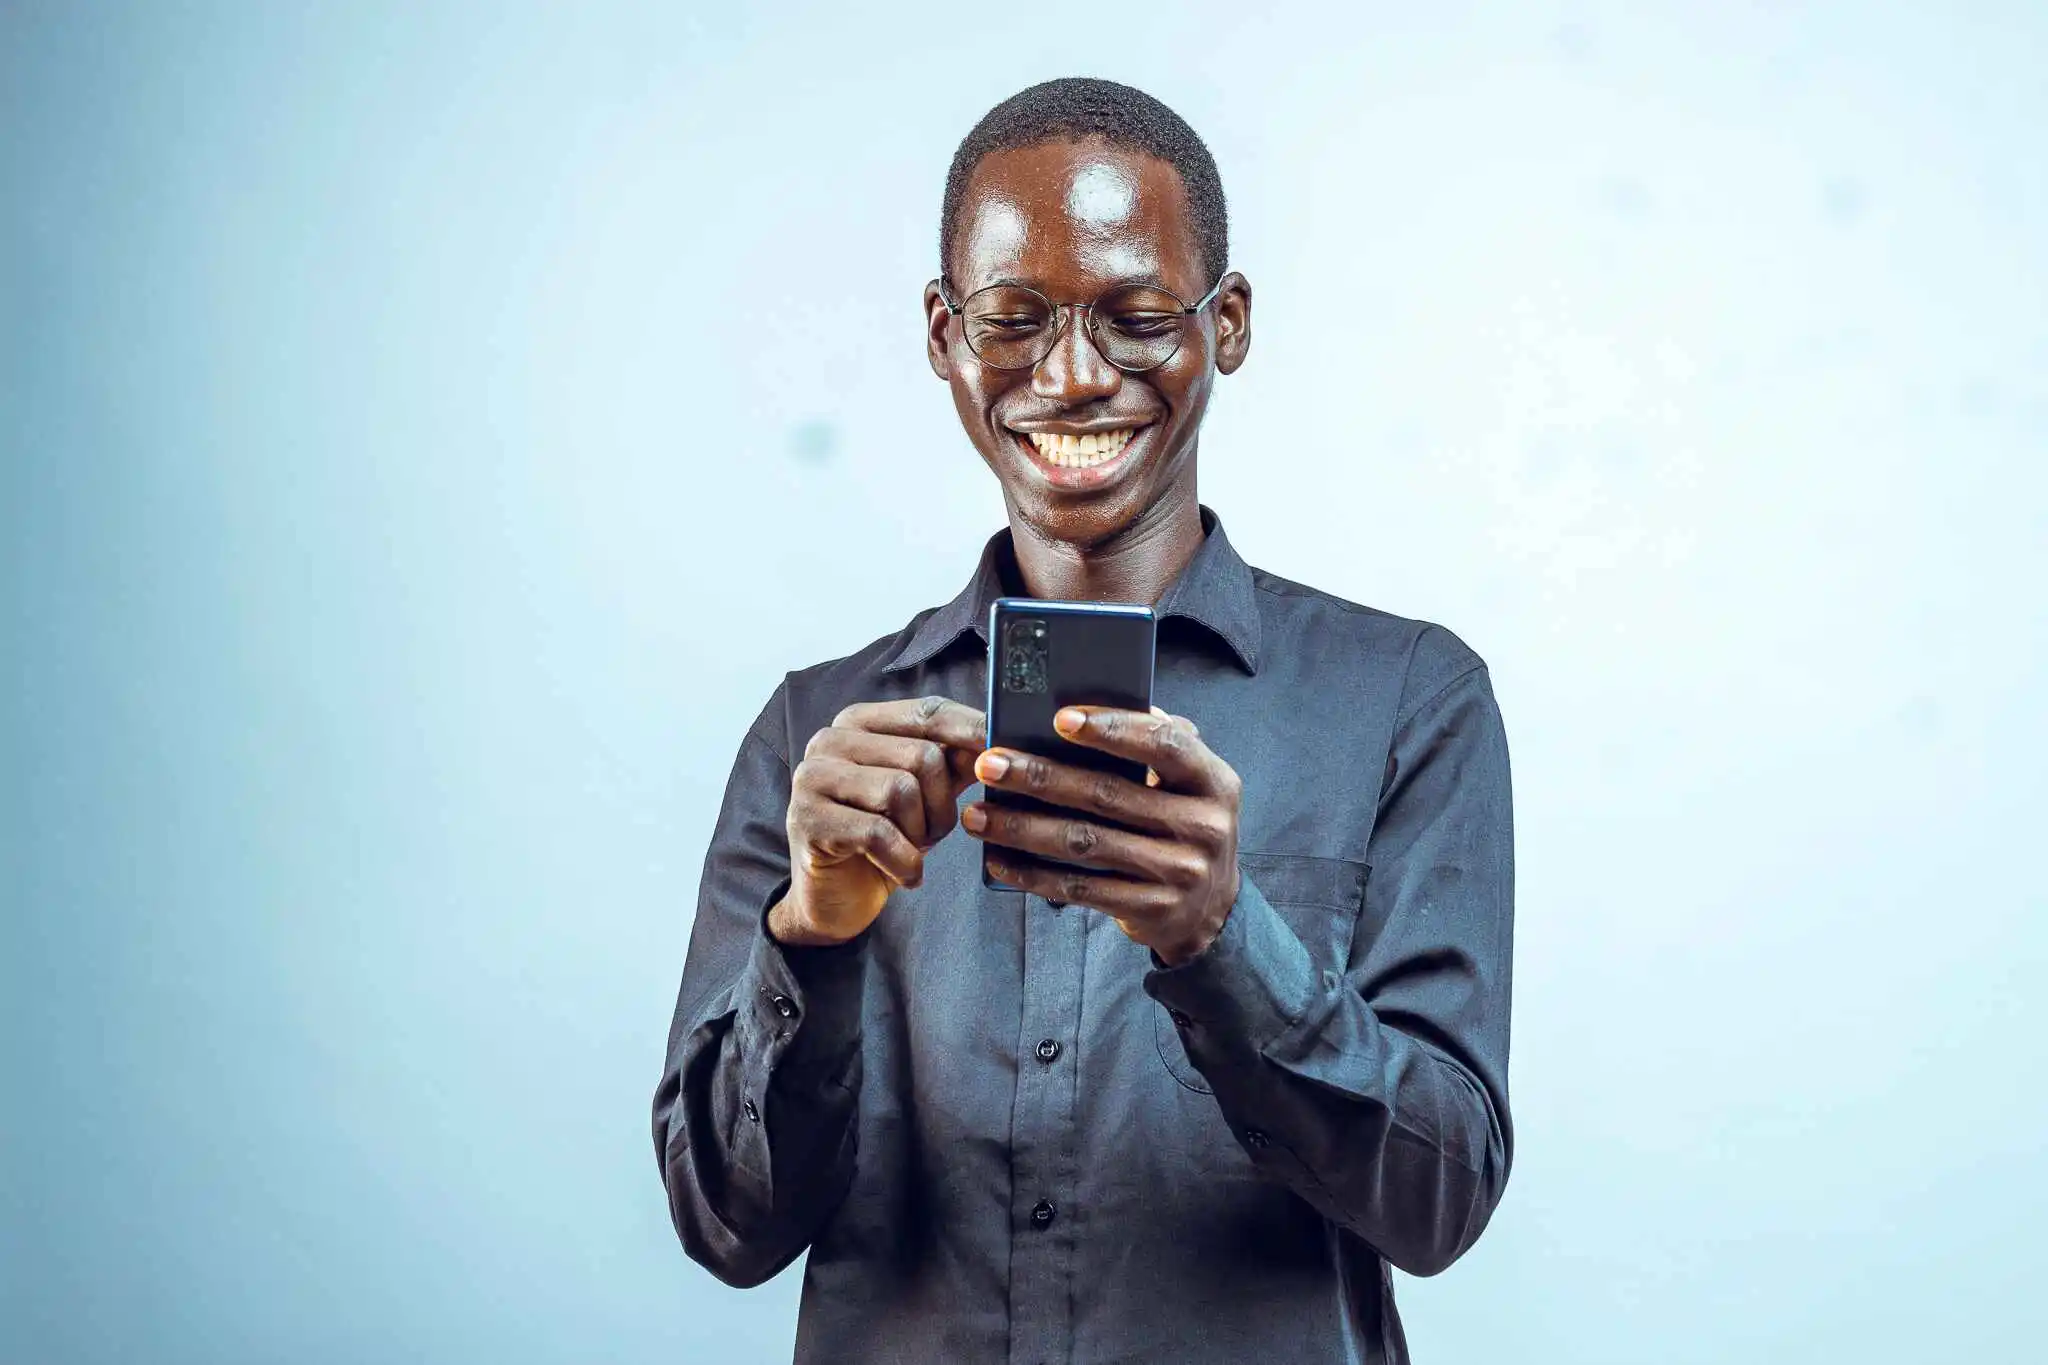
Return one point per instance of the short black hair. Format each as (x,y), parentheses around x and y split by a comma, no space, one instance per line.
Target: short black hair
(1077,107)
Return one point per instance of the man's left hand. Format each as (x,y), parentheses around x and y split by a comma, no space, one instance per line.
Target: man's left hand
(1171,883)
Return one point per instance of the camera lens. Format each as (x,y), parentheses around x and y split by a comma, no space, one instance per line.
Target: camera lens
(1024,655)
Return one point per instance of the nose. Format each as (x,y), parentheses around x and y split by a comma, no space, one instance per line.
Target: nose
(1074,372)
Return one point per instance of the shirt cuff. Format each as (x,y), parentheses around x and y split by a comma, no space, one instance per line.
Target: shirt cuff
(805,1001)
(1248,987)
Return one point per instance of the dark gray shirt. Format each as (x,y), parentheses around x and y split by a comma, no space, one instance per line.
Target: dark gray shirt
(1007,1133)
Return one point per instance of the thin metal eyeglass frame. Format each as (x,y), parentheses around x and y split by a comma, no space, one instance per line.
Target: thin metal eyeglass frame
(1059,324)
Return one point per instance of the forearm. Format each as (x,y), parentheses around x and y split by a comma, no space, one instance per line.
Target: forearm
(755,1116)
(1388,1137)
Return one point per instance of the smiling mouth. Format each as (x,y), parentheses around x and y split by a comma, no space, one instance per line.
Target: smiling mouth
(1080,452)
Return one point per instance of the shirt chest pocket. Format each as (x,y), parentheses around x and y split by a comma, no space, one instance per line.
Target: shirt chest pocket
(1319,898)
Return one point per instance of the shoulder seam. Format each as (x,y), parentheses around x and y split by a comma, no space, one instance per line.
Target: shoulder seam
(1433,697)
(755,731)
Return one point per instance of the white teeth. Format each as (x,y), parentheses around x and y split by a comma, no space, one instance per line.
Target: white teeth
(1068,451)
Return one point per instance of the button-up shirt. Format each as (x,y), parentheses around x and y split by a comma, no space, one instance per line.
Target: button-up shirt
(1007,1132)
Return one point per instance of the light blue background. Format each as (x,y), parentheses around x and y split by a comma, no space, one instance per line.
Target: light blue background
(415,480)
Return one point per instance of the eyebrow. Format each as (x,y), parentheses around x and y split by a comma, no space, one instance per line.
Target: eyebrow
(1149,279)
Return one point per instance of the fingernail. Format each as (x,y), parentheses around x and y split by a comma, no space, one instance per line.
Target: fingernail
(1069,721)
(991,766)
(974,819)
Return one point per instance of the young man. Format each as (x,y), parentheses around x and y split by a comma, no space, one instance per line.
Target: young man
(1186,1105)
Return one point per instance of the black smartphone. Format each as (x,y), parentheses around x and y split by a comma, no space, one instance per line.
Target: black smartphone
(1045,655)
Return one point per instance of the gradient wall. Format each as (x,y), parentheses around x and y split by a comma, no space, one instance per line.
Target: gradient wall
(428,433)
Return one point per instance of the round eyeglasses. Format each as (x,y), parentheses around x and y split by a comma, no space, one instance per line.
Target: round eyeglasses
(1136,327)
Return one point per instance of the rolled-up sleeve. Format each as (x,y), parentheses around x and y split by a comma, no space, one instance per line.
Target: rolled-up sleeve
(754,1113)
(1379,1093)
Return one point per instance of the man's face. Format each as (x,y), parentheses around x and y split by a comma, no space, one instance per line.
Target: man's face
(1070,220)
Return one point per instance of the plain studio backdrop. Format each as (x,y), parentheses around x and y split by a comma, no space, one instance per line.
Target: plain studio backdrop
(431,431)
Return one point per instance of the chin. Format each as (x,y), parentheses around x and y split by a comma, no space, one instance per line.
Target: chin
(1083,520)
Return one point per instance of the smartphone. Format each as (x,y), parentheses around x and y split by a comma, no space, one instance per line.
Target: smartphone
(1045,655)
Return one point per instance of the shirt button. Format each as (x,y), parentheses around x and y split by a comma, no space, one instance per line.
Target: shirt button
(1180,1020)
(1255,1137)
(785,1007)
(1042,1212)
(747,1108)
(1048,1049)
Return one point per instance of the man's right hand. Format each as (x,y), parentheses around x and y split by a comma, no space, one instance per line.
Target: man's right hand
(875,791)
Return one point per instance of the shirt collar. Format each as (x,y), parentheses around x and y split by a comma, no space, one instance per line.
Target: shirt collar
(1214,591)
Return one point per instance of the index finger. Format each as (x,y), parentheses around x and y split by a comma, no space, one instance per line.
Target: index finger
(1166,744)
(938,719)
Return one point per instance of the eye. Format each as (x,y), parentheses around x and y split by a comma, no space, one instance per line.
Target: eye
(1144,324)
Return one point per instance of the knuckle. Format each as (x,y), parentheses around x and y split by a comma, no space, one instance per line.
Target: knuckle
(846,717)
(931,760)
(1080,838)
(928,707)
(1036,773)
(877,834)
(1202,827)
(903,789)
(1073,888)
(1106,793)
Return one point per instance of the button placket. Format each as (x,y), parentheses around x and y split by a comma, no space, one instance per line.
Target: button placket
(1044,1152)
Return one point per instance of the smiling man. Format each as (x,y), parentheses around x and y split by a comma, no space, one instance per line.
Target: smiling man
(1189,1103)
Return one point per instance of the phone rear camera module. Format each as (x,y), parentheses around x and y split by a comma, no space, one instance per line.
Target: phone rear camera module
(1024,655)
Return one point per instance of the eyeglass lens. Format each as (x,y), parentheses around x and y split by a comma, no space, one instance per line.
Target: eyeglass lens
(1013,328)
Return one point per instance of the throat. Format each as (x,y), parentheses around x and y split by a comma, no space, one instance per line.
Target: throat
(1137,564)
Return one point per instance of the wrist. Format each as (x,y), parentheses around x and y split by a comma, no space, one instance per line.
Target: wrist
(1182,951)
(789,926)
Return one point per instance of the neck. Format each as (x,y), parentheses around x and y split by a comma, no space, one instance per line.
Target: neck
(1137,564)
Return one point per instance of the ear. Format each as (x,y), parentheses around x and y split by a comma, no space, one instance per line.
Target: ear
(938,324)
(1233,322)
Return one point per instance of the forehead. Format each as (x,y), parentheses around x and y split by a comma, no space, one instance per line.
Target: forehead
(1072,218)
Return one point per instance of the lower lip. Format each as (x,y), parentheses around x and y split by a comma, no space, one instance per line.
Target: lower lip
(1080,478)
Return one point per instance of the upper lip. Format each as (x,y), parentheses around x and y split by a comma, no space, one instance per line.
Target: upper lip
(1070,428)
